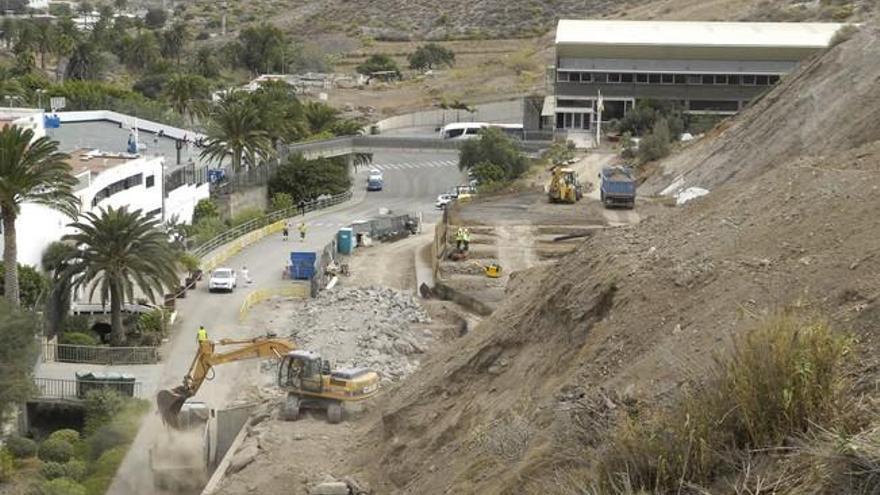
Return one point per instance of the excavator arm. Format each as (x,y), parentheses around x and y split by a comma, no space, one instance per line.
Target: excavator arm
(170,401)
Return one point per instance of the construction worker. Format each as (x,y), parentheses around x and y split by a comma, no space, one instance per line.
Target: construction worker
(302,231)
(466,238)
(459,238)
(285,232)
(202,334)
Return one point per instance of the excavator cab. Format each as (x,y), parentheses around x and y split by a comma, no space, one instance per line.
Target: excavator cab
(303,370)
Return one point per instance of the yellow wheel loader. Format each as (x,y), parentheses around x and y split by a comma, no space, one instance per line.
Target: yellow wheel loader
(308,380)
(564,186)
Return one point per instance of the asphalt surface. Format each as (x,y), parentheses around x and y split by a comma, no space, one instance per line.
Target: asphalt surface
(412,183)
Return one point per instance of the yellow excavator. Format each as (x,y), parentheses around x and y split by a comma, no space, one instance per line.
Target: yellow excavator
(564,186)
(308,379)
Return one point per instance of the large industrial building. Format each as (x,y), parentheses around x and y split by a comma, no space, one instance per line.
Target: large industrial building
(707,67)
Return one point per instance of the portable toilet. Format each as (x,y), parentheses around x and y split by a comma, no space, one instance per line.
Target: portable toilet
(302,265)
(345,240)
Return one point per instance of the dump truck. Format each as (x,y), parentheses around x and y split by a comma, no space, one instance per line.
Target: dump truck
(617,187)
(564,186)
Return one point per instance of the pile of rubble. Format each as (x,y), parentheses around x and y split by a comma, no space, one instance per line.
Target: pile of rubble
(379,328)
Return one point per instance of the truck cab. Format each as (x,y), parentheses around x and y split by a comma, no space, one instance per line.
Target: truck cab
(375,181)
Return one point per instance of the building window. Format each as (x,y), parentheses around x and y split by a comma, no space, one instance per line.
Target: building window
(626,78)
(614,78)
(574,77)
(641,79)
(134,180)
(708,79)
(762,80)
(748,80)
(733,80)
(695,79)
(562,76)
(773,79)
(680,79)
(667,79)
(654,78)
(151,180)
(600,78)
(720,79)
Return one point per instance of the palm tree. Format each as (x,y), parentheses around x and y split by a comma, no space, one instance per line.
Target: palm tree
(174,41)
(188,94)
(118,251)
(320,116)
(30,171)
(236,128)
(56,259)
(205,63)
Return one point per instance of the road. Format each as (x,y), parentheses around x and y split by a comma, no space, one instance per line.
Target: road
(412,183)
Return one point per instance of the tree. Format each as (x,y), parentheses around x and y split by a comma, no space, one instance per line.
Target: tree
(155,18)
(320,116)
(174,41)
(378,63)
(205,63)
(32,171)
(281,114)
(235,128)
(56,258)
(142,51)
(86,62)
(431,55)
(120,5)
(17,355)
(655,145)
(33,286)
(45,36)
(118,251)
(187,94)
(261,48)
(495,148)
(307,179)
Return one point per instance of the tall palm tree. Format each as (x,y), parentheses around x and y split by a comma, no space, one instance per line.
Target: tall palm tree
(30,171)
(320,116)
(174,41)
(188,94)
(56,259)
(118,251)
(235,128)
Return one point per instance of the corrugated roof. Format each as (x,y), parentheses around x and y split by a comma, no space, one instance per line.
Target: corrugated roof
(702,34)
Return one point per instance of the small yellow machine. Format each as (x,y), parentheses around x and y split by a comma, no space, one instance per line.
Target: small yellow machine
(493,270)
(564,186)
(308,379)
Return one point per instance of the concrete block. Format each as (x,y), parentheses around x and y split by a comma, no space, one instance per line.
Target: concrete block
(330,488)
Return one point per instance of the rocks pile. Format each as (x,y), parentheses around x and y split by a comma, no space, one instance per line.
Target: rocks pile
(369,327)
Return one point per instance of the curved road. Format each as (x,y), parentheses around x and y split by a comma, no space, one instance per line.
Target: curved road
(412,182)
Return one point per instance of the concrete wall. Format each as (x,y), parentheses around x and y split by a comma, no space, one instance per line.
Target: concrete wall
(227,424)
(244,199)
(502,112)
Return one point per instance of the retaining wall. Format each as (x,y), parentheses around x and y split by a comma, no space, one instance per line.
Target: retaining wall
(218,256)
(502,112)
(295,289)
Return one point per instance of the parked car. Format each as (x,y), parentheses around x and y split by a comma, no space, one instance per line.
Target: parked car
(222,279)
(443,200)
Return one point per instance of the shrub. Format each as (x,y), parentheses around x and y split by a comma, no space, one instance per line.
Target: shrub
(61,486)
(51,470)
(205,208)
(107,437)
(67,435)
(76,323)
(101,406)
(281,201)
(655,145)
(103,470)
(206,229)
(77,338)
(495,148)
(21,447)
(784,379)
(54,449)
(246,215)
(7,465)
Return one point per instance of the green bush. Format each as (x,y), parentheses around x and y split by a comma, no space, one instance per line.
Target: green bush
(7,465)
(108,437)
(21,447)
(77,338)
(247,215)
(103,471)
(61,486)
(205,208)
(76,324)
(54,449)
(784,379)
(73,469)
(67,435)
(655,145)
(101,406)
(281,201)
(496,148)
(207,229)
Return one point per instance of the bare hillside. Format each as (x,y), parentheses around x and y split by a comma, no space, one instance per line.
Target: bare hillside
(421,19)
(519,404)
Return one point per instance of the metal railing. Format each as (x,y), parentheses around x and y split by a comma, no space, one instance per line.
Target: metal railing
(87,354)
(57,388)
(268,219)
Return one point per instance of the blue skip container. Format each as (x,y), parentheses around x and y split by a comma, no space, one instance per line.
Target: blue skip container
(302,265)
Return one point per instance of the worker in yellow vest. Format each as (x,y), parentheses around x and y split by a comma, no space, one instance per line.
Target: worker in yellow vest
(202,334)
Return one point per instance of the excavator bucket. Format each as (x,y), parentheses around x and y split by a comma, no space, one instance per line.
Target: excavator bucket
(170,403)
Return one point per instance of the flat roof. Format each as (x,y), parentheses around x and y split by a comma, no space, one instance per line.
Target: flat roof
(697,34)
(95,161)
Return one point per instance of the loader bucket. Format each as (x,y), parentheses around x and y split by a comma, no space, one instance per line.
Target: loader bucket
(169,403)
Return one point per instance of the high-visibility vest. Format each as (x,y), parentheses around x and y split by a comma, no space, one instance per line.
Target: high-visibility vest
(203,334)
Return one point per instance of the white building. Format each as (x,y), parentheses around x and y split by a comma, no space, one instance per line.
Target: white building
(105,179)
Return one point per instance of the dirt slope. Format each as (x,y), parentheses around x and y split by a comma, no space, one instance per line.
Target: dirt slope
(831,104)
(634,313)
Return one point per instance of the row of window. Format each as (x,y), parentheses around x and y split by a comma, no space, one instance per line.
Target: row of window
(122,185)
(668,79)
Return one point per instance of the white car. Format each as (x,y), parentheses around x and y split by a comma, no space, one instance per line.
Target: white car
(443,200)
(222,279)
